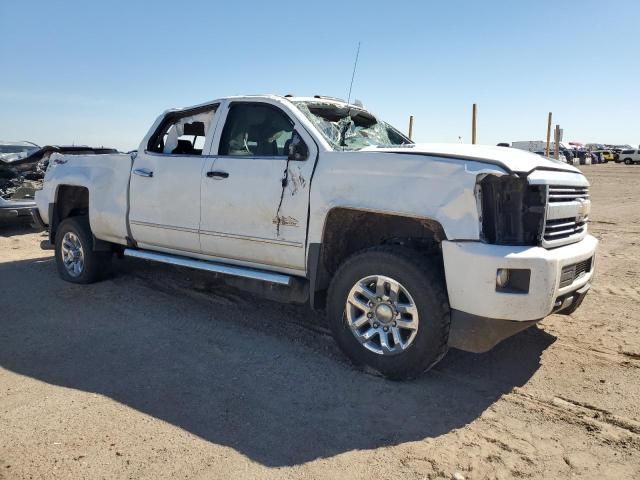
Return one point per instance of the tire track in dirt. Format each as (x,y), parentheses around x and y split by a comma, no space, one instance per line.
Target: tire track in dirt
(623,255)
(621,357)
(632,293)
(597,421)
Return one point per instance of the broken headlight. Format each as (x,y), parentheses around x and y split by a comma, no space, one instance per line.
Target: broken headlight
(511,210)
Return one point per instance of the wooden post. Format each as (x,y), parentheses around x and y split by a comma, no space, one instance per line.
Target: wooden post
(410,127)
(546,152)
(474,117)
(557,143)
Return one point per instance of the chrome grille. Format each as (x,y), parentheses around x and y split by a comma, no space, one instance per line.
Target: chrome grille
(567,194)
(567,214)
(563,228)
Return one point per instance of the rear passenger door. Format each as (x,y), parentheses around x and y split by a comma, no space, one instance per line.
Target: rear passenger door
(248,217)
(165,182)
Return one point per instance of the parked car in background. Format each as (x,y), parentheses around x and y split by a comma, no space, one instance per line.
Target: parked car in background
(607,152)
(581,157)
(539,147)
(630,156)
(569,155)
(605,156)
(596,157)
(22,168)
(594,146)
(616,149)
(11,151)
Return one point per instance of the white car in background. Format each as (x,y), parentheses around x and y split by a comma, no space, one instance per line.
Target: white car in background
(630,156)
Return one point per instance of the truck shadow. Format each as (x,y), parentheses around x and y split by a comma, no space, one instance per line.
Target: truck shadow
(12,228)
(235,372)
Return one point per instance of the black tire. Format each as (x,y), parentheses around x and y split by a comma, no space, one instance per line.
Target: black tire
(628,161)
(424,280)
(96,264)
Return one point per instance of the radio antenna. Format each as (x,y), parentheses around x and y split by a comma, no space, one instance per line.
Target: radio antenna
(355,64)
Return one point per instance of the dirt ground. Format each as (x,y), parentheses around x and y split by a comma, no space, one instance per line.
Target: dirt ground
(163,373)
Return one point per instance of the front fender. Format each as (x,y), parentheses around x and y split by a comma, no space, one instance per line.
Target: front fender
(438,189)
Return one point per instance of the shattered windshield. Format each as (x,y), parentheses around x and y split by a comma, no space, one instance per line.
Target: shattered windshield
(347,127)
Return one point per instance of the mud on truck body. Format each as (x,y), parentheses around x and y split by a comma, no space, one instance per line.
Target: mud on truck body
(409,248)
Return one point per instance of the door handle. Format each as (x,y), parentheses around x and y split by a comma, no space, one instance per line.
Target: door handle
(143,172)
(217,175)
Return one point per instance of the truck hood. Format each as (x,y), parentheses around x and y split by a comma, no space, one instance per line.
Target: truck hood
(511,159)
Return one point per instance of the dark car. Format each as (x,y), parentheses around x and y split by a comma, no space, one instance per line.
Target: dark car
(569,155)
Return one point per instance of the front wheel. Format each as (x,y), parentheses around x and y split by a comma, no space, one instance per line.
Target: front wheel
(387,309)
(627,161)
(76,260)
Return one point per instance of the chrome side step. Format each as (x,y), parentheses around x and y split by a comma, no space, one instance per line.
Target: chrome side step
(234,270)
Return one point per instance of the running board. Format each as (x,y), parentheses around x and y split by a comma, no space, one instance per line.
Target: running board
(234,270)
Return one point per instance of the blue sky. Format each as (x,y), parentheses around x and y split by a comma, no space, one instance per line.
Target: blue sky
(99,73)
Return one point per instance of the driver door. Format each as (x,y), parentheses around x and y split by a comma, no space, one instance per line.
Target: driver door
(248,217)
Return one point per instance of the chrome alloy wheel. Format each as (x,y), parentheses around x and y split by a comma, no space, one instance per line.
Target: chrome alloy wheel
(72,254)
(382,315)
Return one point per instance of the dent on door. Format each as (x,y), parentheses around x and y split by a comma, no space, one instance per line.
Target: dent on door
(293,183)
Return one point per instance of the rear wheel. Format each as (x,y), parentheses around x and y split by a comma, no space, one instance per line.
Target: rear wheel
(387,309)
(76,260)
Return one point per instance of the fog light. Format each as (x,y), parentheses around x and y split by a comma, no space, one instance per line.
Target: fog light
(502,277)
(513,280)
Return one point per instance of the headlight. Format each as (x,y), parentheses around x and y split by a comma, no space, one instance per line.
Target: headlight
(512,211)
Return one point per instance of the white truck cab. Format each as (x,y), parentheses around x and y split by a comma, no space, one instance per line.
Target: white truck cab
(409,248)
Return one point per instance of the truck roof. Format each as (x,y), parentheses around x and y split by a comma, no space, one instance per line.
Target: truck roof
(269,96)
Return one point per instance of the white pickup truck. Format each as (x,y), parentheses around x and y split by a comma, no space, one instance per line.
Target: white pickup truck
(409,248)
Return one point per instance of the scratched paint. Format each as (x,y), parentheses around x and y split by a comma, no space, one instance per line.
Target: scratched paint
(297,181)
(285,221)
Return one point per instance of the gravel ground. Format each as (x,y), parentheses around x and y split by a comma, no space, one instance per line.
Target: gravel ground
(165,373)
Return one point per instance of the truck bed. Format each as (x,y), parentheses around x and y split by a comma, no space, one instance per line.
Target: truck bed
(107,179)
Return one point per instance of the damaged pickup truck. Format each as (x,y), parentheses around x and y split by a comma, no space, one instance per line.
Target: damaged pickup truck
(22,169)
(410,248)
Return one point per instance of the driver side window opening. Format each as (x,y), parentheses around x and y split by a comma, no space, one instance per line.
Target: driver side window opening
(257,130)
(183,134)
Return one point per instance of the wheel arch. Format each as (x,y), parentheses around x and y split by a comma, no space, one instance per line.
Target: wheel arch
(71,201)
(349,230)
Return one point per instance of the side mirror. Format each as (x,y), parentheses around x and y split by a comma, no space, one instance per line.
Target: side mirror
(298,150)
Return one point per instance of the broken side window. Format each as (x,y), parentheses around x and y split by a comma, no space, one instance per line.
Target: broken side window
(182,134)
(256,129)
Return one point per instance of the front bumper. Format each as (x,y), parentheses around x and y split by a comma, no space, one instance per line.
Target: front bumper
(482,316)
(470,269)
(473,333)
(14,210)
